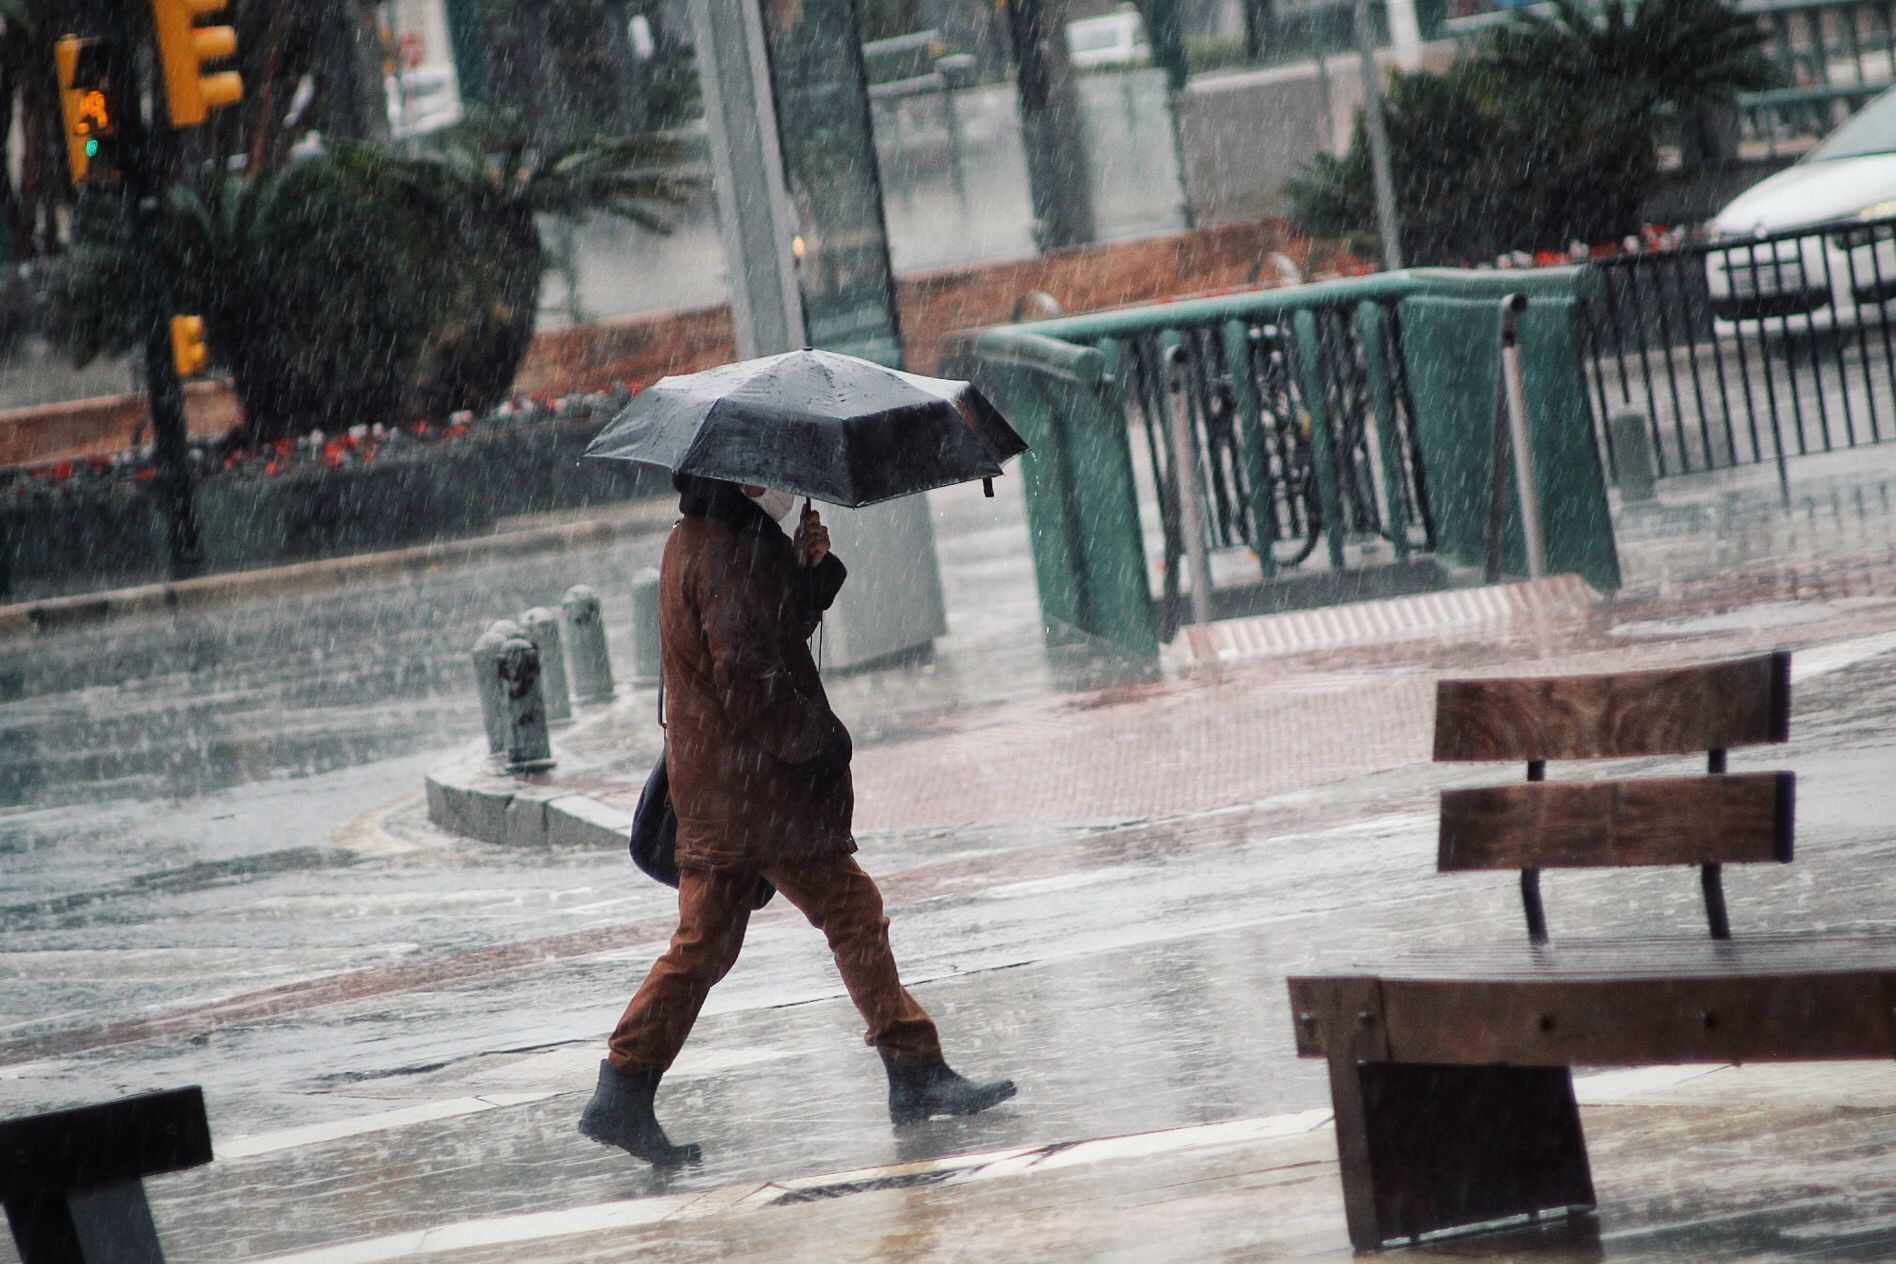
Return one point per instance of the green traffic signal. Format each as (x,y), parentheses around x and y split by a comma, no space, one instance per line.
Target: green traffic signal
(92,147)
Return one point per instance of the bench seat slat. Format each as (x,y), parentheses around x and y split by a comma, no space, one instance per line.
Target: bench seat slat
(1671,711)
(1628,1002)
(1663,955)
(1616,1022)
(1728,819)
(91,1146)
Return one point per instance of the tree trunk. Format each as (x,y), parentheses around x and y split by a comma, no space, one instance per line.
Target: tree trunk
(1057,167)
(14,233)
(349,73)
(44,185)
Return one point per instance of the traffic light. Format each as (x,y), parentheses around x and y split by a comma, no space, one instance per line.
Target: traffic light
(188,351)
(89,105)
(183,48)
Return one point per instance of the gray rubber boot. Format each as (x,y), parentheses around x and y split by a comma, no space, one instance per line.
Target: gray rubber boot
(926,1089)
(620,1114)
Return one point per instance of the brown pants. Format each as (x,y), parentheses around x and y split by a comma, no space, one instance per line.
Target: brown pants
(714,907)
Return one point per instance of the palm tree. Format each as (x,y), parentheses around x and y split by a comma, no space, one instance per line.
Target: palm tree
(1637,66)
(362,285)
(493,180)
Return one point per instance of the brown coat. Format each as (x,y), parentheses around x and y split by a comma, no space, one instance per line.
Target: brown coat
(759,764)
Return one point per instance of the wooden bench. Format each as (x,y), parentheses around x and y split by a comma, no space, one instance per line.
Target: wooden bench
(72,1181)
(1450,1069)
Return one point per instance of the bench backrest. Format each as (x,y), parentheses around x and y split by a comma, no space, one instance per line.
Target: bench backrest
(1708,821)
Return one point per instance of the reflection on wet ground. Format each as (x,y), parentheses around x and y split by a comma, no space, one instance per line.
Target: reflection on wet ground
(180,705)
(395,1029)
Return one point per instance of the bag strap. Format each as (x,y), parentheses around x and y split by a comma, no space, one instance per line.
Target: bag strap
(660,625)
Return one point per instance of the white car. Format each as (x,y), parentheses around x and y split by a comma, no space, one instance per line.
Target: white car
(1767,269)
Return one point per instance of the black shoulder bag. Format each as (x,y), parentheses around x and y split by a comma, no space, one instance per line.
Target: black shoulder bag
(654,841)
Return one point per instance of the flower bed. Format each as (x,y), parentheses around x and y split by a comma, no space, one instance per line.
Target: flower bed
(74,525)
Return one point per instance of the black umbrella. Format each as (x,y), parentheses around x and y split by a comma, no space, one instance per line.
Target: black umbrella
(816,423)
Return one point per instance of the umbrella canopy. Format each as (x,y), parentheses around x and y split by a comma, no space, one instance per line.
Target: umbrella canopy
(816,423)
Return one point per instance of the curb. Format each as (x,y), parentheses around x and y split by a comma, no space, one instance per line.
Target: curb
(472,796)
(1389,619)
(54,614)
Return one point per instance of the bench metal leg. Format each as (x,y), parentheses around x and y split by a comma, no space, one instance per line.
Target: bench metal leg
(108,1225)
(1428,1147)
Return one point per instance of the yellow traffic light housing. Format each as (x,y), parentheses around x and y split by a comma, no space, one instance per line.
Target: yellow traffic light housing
(183,48)
(188,351)
(88,105)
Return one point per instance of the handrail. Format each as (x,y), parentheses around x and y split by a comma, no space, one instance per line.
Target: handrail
(1475,23)
(1063,360)
(1276,304)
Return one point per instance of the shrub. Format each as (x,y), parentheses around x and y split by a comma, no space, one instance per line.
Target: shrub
(359,285)
(1548,135)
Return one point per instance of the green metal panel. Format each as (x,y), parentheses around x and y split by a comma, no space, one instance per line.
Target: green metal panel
(1064,396)
(1322,451)
(1451,353)
(1082,503)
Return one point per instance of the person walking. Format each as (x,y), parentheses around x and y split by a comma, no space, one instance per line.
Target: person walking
(759,771)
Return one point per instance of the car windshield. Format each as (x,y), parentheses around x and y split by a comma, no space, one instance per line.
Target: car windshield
(1872,130)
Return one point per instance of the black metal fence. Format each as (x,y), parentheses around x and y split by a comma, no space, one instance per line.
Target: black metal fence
(1742,350)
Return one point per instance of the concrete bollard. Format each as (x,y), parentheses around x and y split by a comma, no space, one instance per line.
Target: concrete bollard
(645,655)
(487,681)
(542,626)
(517,670)
(1632,455)
(583,624)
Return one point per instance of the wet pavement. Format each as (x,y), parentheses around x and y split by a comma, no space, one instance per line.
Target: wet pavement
(1097,883)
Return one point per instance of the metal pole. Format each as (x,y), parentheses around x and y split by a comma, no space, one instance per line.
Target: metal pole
(487,680)
(517,666)
(583,628)
(647,655)
(1387,225)
(1519,435)
(1191,491)
(143,177)
(754,212)
(542,626)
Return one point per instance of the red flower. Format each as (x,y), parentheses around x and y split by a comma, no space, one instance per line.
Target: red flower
(420,428)
(62,471)
(273,469)
(454,432)
(234,460)
(147,474)
(334,454)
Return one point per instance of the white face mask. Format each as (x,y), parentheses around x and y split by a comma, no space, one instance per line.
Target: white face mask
(776,504)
